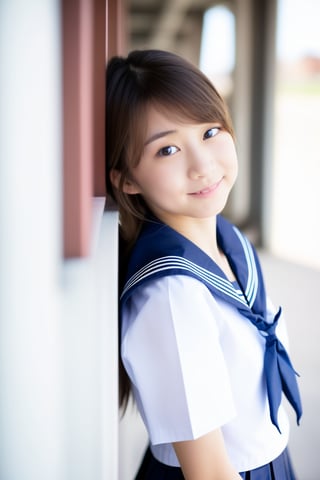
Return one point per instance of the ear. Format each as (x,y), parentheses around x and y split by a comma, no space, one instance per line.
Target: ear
(129,186)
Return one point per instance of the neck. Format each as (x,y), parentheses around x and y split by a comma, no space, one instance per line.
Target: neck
(200,231)
(203,233)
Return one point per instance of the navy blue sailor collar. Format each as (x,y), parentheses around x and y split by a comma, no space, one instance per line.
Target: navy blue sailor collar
(160,251)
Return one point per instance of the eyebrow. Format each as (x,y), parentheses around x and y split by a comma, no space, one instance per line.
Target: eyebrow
(158,135)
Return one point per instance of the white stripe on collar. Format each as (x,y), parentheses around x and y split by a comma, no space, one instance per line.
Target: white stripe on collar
(252,282)
(172,262)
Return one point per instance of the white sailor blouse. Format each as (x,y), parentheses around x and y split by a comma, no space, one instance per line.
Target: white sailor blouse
(203,352)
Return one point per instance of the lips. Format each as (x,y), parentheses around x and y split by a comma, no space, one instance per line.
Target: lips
(207,190)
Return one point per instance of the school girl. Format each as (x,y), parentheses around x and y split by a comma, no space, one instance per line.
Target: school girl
(204,351)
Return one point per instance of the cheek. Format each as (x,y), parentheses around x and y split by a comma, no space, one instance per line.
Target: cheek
(152,183)
(230,156)
(159,176)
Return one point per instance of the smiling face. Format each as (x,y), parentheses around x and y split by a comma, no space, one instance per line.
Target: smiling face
(186,170)
(148,93)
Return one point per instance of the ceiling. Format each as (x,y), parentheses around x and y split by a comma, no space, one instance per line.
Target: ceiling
(167,24)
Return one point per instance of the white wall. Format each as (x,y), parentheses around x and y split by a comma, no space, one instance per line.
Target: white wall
(90,358)
(30,408)
(58,333)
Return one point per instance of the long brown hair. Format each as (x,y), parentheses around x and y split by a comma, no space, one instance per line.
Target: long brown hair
(133,83)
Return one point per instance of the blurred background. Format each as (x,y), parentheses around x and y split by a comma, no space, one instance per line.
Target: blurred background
(59,417)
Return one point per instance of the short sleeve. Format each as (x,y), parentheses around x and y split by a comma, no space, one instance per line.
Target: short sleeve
(172,352)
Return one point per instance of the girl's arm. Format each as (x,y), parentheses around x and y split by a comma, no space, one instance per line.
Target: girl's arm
(205,458)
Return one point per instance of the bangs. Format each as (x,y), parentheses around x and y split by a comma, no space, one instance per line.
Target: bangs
(196,103)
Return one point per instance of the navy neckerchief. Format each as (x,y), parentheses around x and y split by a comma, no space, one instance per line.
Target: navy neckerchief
(160,251)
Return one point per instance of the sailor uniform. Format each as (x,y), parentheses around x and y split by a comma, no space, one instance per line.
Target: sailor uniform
(203,353)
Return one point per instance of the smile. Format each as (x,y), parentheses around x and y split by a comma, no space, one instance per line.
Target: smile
(207,191)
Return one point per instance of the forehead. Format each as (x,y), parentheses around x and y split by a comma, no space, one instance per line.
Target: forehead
(161,116)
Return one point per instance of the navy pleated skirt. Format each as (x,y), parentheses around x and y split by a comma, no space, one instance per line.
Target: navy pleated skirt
(278,469)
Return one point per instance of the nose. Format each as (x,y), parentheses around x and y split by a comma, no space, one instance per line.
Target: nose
(201,163)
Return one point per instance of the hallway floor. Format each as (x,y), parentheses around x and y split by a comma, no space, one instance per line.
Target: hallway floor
(297,290)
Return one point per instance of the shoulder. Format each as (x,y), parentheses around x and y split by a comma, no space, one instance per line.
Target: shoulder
(175,305)
(169,290)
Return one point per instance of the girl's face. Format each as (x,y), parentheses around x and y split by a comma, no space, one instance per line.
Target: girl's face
(186,170)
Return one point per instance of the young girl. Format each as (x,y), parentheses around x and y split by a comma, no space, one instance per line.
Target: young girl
(202,346)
